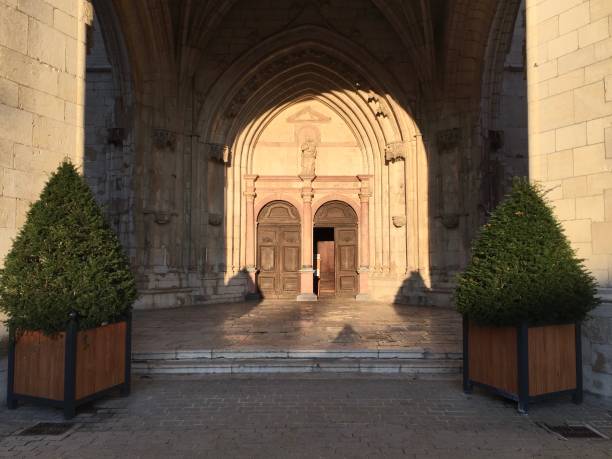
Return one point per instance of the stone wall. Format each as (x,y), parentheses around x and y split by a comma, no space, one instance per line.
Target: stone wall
(569,59)
(42,47)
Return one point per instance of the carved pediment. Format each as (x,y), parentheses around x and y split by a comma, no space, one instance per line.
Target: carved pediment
(308,115)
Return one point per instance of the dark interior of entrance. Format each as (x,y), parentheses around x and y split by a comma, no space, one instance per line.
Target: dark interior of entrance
(324,256)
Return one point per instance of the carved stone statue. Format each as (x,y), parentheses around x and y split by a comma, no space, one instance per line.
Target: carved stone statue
(309,157)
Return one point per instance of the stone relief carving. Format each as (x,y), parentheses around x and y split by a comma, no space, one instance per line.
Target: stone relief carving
(399,221)
(309,157)
(396,150)
(164,139)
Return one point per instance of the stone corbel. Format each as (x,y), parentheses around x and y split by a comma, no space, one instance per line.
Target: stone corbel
(399,221)
(219,152)
(164,139)
(161,217)
(396,150)
(215,219)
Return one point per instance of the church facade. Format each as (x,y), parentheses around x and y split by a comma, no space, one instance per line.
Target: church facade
(312,149)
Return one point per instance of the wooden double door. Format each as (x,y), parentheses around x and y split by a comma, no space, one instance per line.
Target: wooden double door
(338,275)
(338,264)
(278,251)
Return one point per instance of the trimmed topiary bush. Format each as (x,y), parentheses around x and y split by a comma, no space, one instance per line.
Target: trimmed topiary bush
(65,258)
(523,268)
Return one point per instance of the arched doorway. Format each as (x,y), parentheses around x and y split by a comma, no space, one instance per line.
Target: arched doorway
(335,250)
(278,250)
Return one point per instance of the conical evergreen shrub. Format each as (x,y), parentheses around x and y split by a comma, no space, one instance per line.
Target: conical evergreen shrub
(65,258)
(523,268)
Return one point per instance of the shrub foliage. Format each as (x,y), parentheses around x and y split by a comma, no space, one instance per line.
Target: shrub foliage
(523,268)
(65,258)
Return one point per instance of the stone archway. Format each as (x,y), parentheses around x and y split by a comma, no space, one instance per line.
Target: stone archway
(335,247)
(278,250)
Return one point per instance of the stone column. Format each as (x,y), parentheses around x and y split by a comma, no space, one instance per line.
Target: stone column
(364,238)
(251,224)
(307,271)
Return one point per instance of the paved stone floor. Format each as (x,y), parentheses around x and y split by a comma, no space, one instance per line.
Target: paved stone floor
(310,417)
(295,325)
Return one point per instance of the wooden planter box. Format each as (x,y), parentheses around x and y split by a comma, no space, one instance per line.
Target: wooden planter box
(69,369)
(523,363)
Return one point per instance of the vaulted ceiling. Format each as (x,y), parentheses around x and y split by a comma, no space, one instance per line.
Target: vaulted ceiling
(444,40)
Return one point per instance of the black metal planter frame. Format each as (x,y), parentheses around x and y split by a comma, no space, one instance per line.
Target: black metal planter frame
(523,398)
(70,402)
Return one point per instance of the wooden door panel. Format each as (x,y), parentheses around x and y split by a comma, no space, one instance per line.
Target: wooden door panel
(290,285)
(346,261)
(347,284)
(291,259)
(347,258)
(327,274)
(278,259)
(266,283)
(267,259)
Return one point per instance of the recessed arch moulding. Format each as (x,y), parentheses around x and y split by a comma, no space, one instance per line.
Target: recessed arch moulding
(309,121)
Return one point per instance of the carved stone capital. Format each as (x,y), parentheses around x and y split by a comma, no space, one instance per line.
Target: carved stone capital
(396,150)
(364,197)
(219,152)
(249,195)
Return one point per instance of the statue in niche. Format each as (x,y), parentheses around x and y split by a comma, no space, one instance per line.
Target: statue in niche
(309,157)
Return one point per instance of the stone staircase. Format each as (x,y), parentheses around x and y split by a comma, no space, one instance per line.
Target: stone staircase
(416,362)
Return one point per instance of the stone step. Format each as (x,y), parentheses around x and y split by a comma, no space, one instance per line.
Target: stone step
(416,367)
(375,354)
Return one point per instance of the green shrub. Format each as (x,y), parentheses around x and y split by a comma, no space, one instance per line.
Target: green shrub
(523,268)
(65,258)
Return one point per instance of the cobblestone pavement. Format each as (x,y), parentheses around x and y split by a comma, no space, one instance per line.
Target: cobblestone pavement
(316,416)
(347,324)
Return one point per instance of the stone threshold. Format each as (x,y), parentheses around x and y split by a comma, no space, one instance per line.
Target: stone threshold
(404,353)
(415,367)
